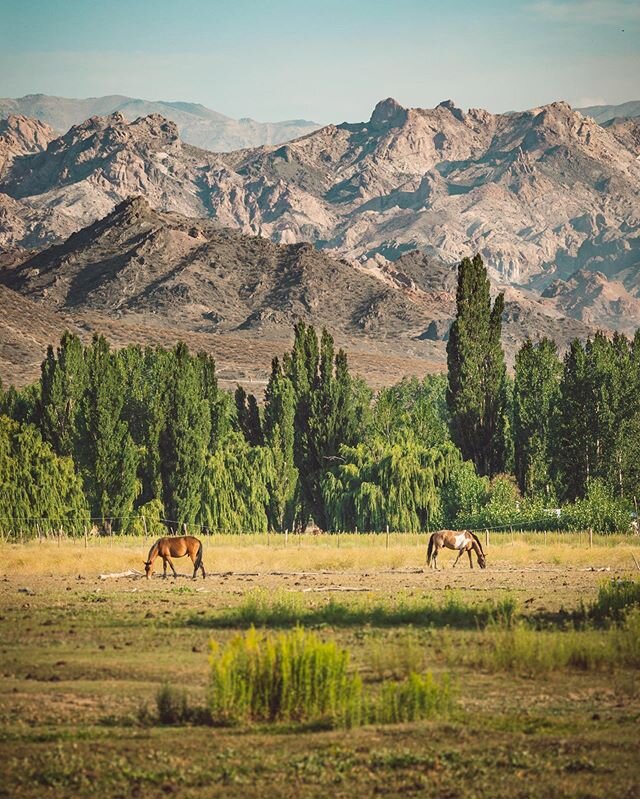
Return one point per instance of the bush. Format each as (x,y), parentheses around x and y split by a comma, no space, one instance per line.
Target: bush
(600,510)
(291,676)
(615,598)
(173,706)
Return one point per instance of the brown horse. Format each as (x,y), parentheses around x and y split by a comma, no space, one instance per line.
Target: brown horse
(462,540)
(177,547)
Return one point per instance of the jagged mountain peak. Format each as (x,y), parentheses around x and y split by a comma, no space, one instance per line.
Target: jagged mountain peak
(388,114)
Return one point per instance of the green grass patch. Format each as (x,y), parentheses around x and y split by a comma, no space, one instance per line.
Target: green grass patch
(525,650)
(420,696)
(294,676)
(287,609)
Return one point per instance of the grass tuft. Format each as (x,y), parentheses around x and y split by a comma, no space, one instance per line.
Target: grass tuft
(418,697)
(291,676)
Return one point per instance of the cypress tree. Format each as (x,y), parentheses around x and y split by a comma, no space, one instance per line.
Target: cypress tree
(476,395)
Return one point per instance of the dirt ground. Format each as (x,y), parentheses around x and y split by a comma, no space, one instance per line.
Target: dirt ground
(80,656)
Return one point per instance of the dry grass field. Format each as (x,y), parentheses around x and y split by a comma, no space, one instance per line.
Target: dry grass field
(83,658)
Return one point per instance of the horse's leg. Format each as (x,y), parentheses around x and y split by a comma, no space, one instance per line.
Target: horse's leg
(164,567)
(460,553)
(470,559)
(173,568)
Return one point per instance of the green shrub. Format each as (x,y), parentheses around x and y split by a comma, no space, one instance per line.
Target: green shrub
(615,598)
(418,697)
(600,510)
(172,704)
(291,676)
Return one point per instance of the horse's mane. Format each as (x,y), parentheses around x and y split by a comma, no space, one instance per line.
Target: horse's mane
(476,539)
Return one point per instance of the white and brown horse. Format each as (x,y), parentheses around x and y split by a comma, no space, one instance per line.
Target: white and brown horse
(462,540)
(175,547)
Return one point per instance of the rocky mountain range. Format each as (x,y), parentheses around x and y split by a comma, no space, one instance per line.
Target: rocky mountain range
(606,113)
(222,243)
(196,123)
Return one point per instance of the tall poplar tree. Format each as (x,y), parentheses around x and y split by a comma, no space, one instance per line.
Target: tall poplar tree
(63,382)
(279,435)
(572,448)
(476,394)
(106,453)
(535,398)
(185,439)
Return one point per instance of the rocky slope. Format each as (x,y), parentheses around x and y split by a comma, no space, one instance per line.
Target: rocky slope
(150,271)
(197,124)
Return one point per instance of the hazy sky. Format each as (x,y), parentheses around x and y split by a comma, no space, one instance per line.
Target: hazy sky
(329,60)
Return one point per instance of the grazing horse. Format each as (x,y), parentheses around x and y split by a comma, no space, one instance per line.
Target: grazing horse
(177,547)
(462,540)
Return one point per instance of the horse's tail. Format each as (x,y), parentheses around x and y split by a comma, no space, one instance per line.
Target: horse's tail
(476,539)
(198,562)
(430,549)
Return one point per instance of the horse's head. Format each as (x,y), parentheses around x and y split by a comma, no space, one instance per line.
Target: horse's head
(148,567)
(482,561)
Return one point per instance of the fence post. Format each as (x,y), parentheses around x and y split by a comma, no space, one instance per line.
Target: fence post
(86,539)
(486,538)
(512,539)
(590,538)
(59,534)
(387,536)
(144,526)
(286,536)
(545,538)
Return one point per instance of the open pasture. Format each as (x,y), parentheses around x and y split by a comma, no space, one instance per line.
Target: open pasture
(547,696)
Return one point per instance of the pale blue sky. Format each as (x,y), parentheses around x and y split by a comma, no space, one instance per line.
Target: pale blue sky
(329,60)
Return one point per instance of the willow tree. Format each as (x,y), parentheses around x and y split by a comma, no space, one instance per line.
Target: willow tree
(234,497)
(38,489)
(476,395)
(379,484)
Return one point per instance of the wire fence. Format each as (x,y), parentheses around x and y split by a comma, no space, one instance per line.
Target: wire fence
(94,532)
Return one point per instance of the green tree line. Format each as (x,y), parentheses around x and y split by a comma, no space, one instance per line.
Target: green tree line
(114,435)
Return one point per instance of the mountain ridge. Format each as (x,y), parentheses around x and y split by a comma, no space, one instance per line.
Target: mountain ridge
(198,125)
